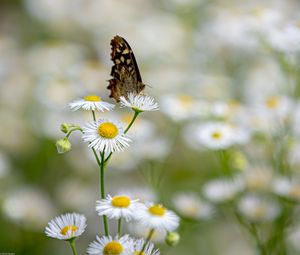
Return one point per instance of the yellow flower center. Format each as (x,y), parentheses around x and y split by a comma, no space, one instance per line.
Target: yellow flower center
(295,192)
(191,210)
(157,210)
(92,98)
(259,212)
(120,201)
(108,130)
(186,100)
(66,229)
(216,135)
(113,248)
(139,253)
(272,102)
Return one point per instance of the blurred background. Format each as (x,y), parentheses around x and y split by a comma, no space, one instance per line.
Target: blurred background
(207,63)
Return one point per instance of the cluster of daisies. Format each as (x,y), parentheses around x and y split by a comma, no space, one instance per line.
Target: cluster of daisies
(104,137)
(154,217)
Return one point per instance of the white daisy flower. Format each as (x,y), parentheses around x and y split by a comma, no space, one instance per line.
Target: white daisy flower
(192,206)
(105,135)
(257,178)
(155,216)
(257,208)
(108,245)
(91,102)
(117,207)
(215,135)
(221,190)
(136,229)
(149,249)
(139,102)
(289,188)
(66,227)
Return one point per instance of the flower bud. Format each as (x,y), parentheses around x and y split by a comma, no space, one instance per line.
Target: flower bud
(63,145)
(172,238)
(64,127)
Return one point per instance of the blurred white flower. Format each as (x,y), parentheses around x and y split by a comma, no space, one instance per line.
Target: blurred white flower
(54,58)
(155,148)
(28,207)
(287,187)
(214,135)
(76,195)
(294,236)
(181,107)
(66,227)
(192,206)
(139,230)
(257,178)
(285,38)
(221,190)
(257,208)
(50,11)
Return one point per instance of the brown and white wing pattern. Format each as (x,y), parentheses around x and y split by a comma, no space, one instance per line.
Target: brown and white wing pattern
(125,72)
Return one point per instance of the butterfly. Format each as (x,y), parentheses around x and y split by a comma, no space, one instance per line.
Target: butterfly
(125,72)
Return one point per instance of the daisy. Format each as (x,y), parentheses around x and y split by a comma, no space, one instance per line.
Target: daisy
(136,229)
(139,102)
(105,135)
(148,250)
(221,190)
(155,216)
(285,187)
(91,102)
(66,227)
(191,206)
(257,178)
(117,207)
(257,208)
(215,135)
(108,245)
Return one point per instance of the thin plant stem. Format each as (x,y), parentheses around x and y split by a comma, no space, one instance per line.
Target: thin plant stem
(119,227)
(147,241)
(72,130)
(72,243)
(94,115)
(101,164)
(136,113)
(102,190)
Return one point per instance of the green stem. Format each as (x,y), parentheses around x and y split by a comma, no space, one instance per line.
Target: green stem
(147,240)
(224,158)
(119,227)
(72,130)
(94,115)
(72,243)
(101,164)
(102,190)
(136,113)
(260,246)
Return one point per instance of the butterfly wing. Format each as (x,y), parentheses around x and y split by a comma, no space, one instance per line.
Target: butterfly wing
(125,72)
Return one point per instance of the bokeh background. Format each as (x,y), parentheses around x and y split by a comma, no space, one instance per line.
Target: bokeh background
(203,61)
